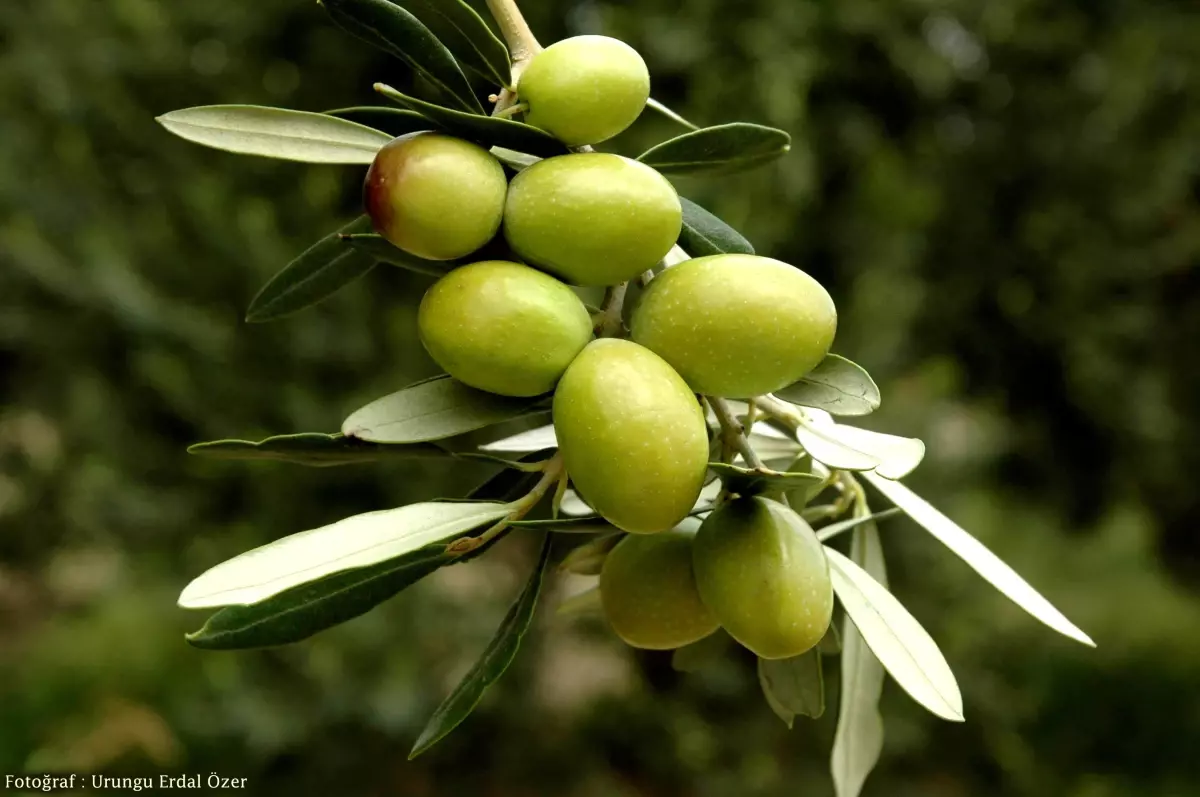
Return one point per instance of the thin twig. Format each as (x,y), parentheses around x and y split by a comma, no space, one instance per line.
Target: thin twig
(734,432)
(611,313)
(552,474)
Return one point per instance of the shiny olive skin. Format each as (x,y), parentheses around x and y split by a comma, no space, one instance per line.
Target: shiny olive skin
(761,570)
(649,593)
(585,89)
(736,326)
(592,218)
(503,327)
(632,435)
(435,196)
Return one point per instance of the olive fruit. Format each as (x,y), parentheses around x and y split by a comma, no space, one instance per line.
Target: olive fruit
(503,327)
(632,435)
(761,570)
(435,196)
(585,89)
(649,593)
(736,326)
(592,218)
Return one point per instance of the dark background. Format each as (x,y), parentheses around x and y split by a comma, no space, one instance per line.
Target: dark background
(1004,200)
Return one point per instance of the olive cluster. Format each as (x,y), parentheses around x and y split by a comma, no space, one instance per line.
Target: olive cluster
(631,429)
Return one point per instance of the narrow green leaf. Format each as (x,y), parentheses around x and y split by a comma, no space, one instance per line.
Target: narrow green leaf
(508,484)
(379,248)
(833,529)
(896,638)
(314,449)
(704,234)
(490,131)
(836,385)
(588,559)
(320,271)
(396,31)
(753,481)
(395,122)
(720,149)
(543,437)
(978,556)
(517,161)
(794,687)
(491,665)
(354,542)
(432,410)
(276,133)
(657,106)
(578,524)
(466,35)
(859,737)
(849,448)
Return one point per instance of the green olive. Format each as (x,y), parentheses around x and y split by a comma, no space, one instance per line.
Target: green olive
(435,196)
(585,89)
(592,218)
(736,326)
(649,593)
(503,327)
(761,570)
(632,435)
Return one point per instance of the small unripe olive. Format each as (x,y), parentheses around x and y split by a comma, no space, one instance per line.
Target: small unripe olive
(592,218)
(435,196)
(585,89)
(761,570)
(649,593)
(503,327)
(632,435)
(736,326)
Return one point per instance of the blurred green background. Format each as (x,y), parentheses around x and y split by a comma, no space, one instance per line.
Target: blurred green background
(1004,199)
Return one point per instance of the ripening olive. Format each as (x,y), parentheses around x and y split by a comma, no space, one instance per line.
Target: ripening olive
(592,218)
(435,196)
(649,593)
(503,327)
(585,89)
(736,326)
(761,570)
(632,435)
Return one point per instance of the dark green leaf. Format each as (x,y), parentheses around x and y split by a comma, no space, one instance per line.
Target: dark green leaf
(491,665)
(466,35)
(705,234)
(380,249)
(836,385)
(314,449)
(395,30)
(723,148)
(754,481)
(655,105)
(489,131)
(393,121)
(320,271)
(580,524)
(432,410)
(794,687)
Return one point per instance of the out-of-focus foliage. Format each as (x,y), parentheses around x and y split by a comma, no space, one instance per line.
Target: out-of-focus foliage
(1004,199)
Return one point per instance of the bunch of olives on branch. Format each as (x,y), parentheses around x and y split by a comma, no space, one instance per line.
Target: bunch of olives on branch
(627,408)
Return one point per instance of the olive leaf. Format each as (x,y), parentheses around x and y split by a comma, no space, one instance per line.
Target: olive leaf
(466,35)
(393,121)
(314,449)
(495,660)
(396,31)
(379,248)
(532,440)
(509,484)
(849,448)
(276,133)
(978,557)
(704,234)
(432,410)
(658,107)
(490,131)
(720,149)
(753,481)
(858,740)
(836,385)
(320,271)
(904,648)
(794,686)
(577,524)
(833,529)
(588,559)
(354,542)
